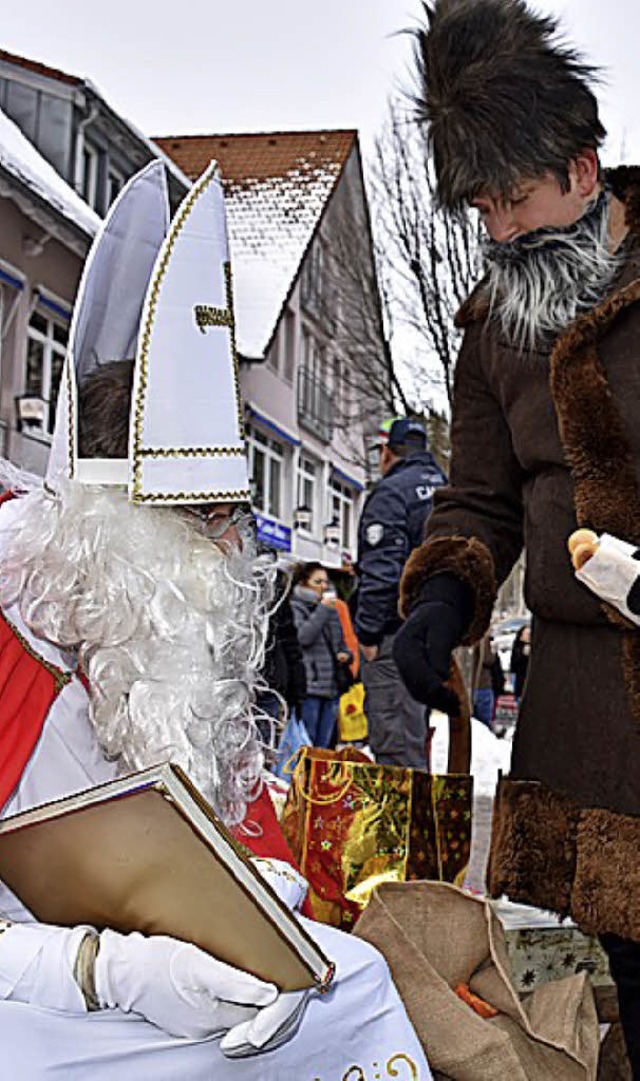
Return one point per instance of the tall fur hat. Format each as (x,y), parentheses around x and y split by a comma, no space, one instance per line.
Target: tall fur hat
(503,98)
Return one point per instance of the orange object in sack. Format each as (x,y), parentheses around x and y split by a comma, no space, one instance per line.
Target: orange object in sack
(478,1005)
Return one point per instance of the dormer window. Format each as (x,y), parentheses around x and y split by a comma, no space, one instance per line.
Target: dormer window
(90,170)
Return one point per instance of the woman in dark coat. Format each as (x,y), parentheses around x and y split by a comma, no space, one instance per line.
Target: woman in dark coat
(323,649)
(283,671)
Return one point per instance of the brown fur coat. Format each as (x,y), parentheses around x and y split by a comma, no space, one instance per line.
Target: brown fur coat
(542,444)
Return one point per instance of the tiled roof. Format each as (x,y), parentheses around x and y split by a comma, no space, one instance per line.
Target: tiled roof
(257,157)
(40,69)
(277,186)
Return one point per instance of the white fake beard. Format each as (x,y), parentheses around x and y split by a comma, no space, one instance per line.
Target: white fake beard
(541,281)
(169,630)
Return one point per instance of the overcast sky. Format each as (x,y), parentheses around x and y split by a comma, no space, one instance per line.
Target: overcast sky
(256,65)
(268,65)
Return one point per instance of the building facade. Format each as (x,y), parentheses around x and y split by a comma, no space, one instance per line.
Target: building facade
(74,128)
(309,327)
(45,233)
(308,323)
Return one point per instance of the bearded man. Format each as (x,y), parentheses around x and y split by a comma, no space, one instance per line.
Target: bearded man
(133,633)
(545,437)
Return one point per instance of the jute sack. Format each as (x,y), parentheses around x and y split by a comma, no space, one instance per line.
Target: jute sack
(434,937)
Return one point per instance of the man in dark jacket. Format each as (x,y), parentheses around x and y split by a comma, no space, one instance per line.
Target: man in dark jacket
(545,437)
(391,526)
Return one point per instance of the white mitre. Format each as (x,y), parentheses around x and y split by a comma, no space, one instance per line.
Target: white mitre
(160,291)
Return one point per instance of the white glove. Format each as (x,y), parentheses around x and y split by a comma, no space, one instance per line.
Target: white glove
(285,880)
(175,985)
(611,572)
(271,1027)
(172,984)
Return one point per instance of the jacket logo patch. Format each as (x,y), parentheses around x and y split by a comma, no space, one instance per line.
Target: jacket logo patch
(425,491)
(374,534)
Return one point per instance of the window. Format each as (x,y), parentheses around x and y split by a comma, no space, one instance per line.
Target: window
(338,386)
(54,130)
(289,340)
(273,357)
(115,183)
(342,511)
(46,349)
(311,290)
(315,408)
(307,488)
(22,106)
(90,164)
(266,459)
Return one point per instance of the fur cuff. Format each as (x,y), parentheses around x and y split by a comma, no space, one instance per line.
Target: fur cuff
(465,557)
(549,852)
(533,845)
(606,893)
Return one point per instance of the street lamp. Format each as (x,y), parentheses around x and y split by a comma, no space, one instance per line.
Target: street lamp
(332,532)
(302,517)
(31,411)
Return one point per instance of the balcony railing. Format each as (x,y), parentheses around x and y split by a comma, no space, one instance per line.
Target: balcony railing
(314,406)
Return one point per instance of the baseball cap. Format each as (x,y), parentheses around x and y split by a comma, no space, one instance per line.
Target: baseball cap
(405,431)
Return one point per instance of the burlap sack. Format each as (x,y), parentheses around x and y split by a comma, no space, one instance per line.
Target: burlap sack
(434,937)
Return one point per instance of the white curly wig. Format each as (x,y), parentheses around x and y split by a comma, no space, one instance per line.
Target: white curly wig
(168,627)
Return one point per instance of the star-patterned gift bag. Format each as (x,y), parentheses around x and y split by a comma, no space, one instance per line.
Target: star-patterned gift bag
(353,824)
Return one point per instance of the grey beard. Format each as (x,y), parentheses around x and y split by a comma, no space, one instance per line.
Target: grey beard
(541,281)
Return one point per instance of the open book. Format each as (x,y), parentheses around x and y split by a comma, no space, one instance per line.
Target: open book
(147,853)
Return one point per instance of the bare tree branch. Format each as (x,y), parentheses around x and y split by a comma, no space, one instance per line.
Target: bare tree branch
(431,260)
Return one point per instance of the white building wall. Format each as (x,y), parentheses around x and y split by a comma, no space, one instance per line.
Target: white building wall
(270,390)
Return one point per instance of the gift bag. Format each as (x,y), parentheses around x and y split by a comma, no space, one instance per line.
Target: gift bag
(506,711)
(352,720)
(294,738)
(448,958)
(353,824)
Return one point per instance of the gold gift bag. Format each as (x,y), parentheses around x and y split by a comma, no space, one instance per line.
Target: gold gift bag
(353,824)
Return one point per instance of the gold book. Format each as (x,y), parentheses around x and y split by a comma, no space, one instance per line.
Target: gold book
(147,853)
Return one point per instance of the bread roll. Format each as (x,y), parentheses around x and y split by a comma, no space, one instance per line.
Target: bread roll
(582,554)
(582,536)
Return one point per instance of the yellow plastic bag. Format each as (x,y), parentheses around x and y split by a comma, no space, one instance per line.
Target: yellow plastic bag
(352,720)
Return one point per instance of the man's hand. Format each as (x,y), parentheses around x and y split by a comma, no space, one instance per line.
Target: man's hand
(369,652)
(172,984)
(423,646)
(610,567)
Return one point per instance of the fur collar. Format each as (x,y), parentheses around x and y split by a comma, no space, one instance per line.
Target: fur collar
(607,491)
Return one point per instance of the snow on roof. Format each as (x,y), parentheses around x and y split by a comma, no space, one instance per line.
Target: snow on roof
(277,186)
(39,69)
(20,159)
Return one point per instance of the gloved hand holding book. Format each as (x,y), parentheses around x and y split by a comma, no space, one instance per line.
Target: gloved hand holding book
(172,984)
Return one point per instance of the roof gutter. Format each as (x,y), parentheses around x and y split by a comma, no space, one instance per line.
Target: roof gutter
(80,132)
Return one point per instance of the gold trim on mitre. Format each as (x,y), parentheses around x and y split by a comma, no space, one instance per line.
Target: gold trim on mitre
(147,458)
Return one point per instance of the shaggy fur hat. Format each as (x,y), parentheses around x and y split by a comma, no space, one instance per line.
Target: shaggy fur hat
(502,97)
